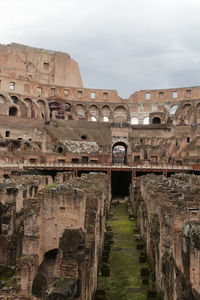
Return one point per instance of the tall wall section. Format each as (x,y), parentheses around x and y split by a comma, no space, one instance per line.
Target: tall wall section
(168,215)
(53,234)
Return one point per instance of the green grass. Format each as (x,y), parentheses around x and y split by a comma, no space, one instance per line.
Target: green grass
(50,186)
(124,282)
(6,275)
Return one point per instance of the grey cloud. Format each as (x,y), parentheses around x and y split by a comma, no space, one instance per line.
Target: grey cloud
(125,45)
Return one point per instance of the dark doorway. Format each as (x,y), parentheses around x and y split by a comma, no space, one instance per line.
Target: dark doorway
(84,159)
(45,274)
(13,111)
(120,183)
(119,153)
(156,120)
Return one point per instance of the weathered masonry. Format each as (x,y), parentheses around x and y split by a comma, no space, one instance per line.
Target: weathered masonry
(65,150)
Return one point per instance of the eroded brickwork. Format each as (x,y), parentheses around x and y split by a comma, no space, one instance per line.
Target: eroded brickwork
(56,235)
(167,211)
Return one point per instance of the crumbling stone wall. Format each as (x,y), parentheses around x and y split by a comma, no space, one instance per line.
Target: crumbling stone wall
(167,211)
(58,237)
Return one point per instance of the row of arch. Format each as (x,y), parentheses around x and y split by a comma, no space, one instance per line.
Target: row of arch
(15,106)
(54,109)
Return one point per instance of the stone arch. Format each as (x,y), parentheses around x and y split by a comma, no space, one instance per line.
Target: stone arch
(93,119)
(106,110)
(31,110)
(45,273)
(54,105)
(60,149)
(42,106)
(119,153)
(67,106)
(13,111)
(94,111)
(81,111)
(56,109)
(173,109)
(23,108)
(146,121)
(187,106)
(120,114)
(14,99)
(105,119)
(156,120)
(134,121)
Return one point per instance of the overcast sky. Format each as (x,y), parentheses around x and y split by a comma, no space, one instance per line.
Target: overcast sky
(124,45)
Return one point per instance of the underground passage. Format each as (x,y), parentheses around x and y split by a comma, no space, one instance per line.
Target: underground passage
(120,182)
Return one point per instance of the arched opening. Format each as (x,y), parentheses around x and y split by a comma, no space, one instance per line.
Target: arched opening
(70,117)
(119,153)
(60,149)
(106,111)
(120,114)
(134,121)
(29,104)
(15,99)
(156,120)
(81,112)
(187,106)
(45,273)
(93,119)
(105,119)
(94,112)
(67,106)
(12,111)
(42,106)
(146,121)
(6,176)
(173,109)
(84,137)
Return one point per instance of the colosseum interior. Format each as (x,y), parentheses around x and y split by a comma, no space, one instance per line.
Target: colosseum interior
(72,159)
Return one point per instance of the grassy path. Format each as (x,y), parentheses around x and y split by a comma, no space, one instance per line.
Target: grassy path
(124,282)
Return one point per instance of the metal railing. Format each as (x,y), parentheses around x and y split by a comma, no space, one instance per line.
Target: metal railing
(98,166)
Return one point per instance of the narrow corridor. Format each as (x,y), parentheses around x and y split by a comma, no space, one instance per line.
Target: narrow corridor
(124,282)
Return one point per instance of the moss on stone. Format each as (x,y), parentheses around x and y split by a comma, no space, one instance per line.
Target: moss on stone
(124,282)
(6,275)
(51,186)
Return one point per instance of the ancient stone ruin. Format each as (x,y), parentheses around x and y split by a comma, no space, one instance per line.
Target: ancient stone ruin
(69,156)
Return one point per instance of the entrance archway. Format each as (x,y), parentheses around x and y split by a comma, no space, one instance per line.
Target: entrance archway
(45,274)
(12,111)
(156,120)
(119,153)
